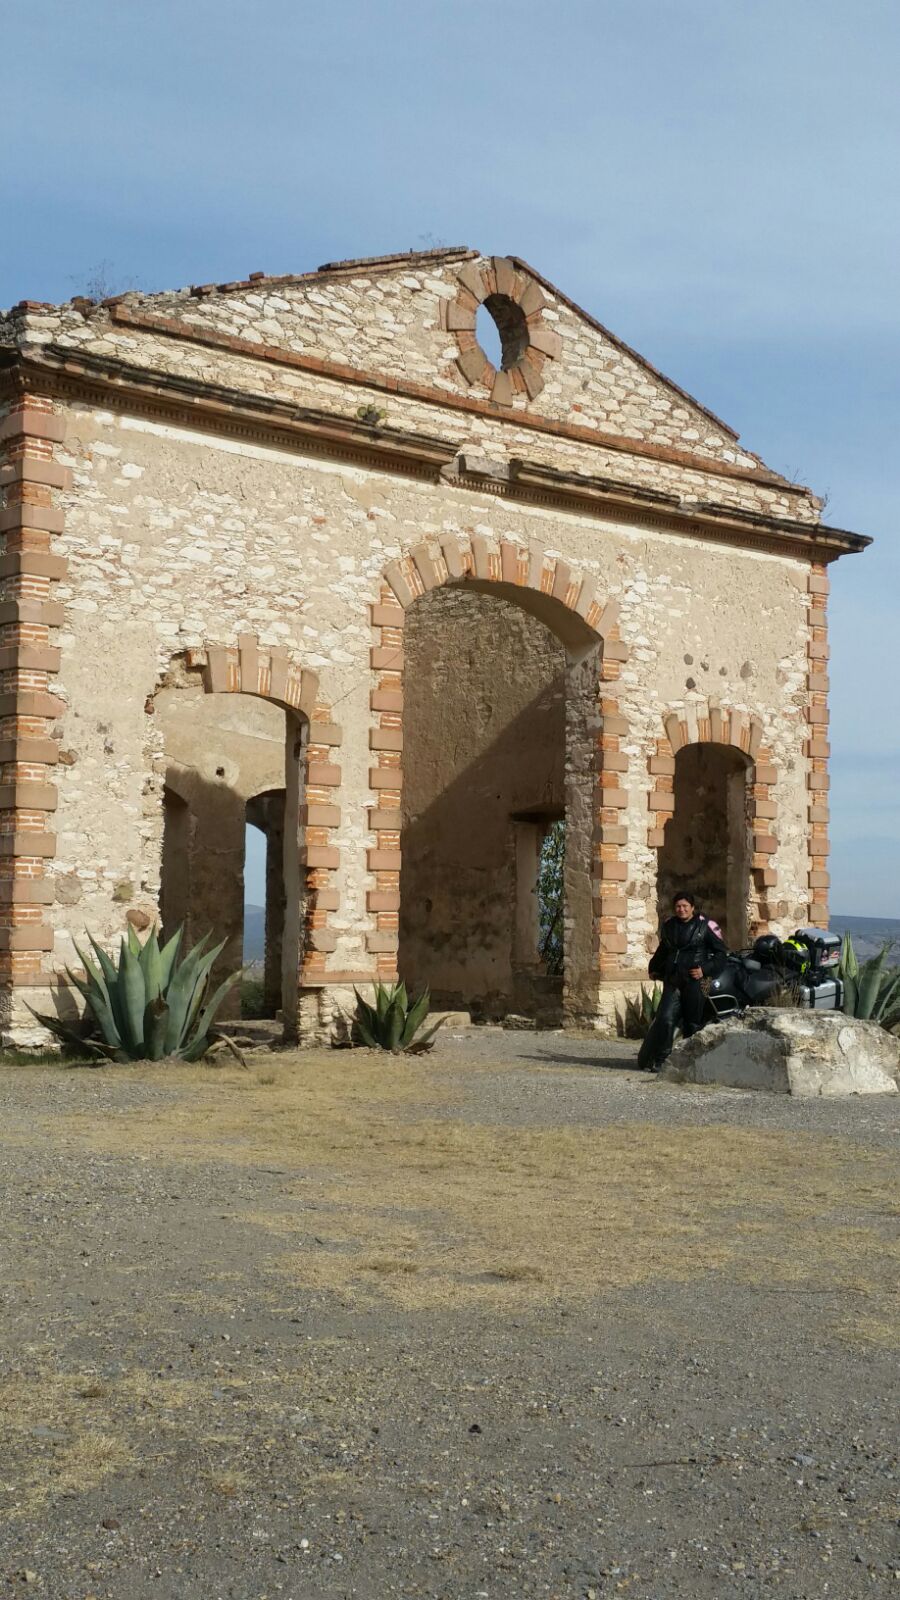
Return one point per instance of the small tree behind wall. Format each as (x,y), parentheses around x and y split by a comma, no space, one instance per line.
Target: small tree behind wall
(551,897)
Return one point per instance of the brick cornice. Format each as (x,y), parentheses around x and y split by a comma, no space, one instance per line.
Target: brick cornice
(235,413)
(171,327)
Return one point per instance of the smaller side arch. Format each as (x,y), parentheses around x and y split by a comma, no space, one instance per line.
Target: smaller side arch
(274,674)
(709,722)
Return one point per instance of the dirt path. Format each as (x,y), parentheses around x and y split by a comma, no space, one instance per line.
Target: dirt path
(517,1321)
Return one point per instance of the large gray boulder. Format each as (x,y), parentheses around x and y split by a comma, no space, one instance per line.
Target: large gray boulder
(791,1052)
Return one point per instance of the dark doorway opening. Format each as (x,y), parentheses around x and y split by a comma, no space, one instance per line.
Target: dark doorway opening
(499,742)
(708,838)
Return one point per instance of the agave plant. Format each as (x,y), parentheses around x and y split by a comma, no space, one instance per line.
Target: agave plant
(150,1004)
(871,991)
(640,1012)
(393,1022)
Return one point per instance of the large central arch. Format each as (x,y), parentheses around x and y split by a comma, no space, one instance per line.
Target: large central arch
(565,600)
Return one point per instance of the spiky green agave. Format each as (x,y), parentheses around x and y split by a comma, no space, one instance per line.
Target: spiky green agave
(393,1022)
(640,1012)
(872,990)
(148,1005)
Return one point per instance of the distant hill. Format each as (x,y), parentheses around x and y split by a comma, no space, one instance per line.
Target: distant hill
(869,934)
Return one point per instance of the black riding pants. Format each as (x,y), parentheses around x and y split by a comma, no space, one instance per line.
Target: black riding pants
(682,1005)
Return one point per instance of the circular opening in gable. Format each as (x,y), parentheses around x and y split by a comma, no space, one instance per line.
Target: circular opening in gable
(502,331)
(488,335)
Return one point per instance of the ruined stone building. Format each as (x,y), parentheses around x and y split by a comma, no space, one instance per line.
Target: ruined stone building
(295,551)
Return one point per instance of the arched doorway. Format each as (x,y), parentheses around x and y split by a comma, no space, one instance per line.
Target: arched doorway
(708,838)
(714,816)
(502,744)
(229,760)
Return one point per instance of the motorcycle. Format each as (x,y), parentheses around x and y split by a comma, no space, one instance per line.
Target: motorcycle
(805,966)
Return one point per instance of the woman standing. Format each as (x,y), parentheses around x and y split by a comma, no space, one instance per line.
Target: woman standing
(689,950)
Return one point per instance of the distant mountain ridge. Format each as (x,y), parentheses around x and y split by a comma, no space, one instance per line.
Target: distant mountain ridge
(868,934)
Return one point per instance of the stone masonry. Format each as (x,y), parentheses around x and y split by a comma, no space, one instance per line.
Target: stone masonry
(259,489)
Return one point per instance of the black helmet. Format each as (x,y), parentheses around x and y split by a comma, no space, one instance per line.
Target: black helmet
(767,948)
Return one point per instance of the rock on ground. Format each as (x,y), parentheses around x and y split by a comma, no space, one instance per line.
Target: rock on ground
(794,1052)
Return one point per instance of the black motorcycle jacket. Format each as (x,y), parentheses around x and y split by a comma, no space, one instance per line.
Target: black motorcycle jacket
(684,945)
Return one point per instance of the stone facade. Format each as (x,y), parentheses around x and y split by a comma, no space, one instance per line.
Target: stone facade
(267,489)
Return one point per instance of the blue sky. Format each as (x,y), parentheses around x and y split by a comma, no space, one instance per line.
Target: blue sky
(718,183)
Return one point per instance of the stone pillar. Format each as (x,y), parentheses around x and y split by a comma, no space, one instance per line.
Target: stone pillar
(386,782)
(175,873)
(583,888)
(217,883)
(611,838)
(266,812)
(275,903)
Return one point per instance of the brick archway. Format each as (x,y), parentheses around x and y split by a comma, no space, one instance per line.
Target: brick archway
(566,599)
(708,722)
(273,673)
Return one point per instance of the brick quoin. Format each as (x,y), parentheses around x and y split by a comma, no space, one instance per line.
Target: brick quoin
(30,520)
(817,746)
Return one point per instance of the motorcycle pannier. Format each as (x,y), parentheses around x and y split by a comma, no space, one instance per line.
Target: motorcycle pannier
(828,995)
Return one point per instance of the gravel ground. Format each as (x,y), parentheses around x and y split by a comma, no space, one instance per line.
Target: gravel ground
(210,1388)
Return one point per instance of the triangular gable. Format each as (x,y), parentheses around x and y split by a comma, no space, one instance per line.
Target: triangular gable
(414,320)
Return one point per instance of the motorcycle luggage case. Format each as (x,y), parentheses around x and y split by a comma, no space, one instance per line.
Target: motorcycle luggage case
(824,947)
(825,996)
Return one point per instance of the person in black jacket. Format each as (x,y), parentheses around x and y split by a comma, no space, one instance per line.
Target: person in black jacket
(689,950)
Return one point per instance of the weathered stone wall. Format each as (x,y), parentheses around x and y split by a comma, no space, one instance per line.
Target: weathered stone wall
(180,537)
(599,403)
(484,727)
(395,323)
(176,540)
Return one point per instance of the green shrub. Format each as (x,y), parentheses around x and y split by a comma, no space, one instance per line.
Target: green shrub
(393,1022)
(871,991)
(552,897)
(640,1012)
(148,1006)
(253,999)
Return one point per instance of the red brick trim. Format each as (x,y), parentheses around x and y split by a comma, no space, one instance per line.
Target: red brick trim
(478,282)
(717,724)
(273,674)
(817,748)
(30,521)
(510,565)
(171,327)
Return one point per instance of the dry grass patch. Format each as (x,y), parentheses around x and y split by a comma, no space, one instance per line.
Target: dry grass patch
(64,1434)
(57,1438)
(431,1211)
